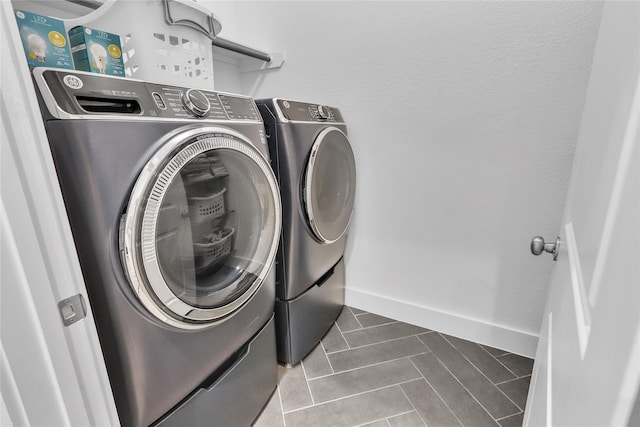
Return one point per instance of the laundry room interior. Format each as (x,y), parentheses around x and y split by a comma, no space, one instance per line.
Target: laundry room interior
(463,131)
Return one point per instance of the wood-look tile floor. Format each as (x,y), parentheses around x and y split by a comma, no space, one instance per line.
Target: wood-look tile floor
(373,371)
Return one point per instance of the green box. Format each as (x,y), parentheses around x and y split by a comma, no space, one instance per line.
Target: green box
(44,40)
(96,51)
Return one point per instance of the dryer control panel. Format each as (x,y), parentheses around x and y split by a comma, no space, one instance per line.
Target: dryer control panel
(77,94)
(305,112)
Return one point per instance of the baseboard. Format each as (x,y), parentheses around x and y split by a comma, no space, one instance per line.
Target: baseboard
(512,340)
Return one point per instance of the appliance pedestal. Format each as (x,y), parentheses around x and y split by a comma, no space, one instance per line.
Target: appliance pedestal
(303,321)
(246,394)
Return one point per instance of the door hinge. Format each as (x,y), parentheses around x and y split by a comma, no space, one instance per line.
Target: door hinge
(72,309)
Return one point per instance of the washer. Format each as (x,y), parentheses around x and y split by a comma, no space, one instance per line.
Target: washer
(315,166)
(175,214)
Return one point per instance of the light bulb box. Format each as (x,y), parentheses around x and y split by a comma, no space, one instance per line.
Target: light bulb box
(96,51)
(44,40)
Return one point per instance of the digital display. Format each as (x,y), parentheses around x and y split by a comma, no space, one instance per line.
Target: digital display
(239,108)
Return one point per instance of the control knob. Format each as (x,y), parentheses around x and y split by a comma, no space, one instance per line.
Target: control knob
(323,112)
(196,102)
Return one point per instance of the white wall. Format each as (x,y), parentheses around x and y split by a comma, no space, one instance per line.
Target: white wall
(463,118)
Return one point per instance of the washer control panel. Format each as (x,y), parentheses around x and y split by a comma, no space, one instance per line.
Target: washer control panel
(305,112)
(186,103)
(78,93)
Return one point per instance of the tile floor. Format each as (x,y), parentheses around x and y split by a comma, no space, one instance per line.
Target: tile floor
(377,372)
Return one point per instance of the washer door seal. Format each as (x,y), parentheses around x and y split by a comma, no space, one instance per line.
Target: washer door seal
(329,185)
(201,229)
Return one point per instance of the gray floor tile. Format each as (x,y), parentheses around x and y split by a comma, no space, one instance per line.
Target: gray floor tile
(477,384)
(316,363)
(519,365)
(361,380)
(517,390)
(428,404)
(356,410)
(373,386)
(294,390)
(376,353)
(347,321)
(410,419)
(271,415)
(369,319)
(282,370)
(381,423)
(334,341)
(482,360)
(462,404)
(382,333)
(495,352)
(357,311)
(512,421)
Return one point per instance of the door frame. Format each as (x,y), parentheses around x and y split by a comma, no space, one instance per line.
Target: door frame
(50,374)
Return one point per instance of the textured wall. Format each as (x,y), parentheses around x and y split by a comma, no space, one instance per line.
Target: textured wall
(463,117)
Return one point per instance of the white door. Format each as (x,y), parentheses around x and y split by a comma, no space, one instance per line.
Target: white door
(587,369)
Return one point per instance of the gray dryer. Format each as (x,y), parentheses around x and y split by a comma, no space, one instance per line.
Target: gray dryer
(315,166)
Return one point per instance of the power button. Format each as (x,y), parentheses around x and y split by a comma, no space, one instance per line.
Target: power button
(159,101)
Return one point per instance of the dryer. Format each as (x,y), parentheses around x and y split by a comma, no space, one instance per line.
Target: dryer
(315,166)
(176,215)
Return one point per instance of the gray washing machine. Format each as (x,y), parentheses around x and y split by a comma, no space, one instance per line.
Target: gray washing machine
(176,215)
(315,166)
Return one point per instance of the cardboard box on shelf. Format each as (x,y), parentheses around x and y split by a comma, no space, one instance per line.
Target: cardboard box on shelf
(96,51)
(44,40)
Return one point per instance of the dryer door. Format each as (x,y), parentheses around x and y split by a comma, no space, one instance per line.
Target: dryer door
(330,184)
(202,226)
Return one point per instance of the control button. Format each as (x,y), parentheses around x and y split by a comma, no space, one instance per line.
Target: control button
(196,102)
(159,101)
(323,112)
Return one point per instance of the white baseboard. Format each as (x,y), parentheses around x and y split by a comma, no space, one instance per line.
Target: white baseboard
(512,340)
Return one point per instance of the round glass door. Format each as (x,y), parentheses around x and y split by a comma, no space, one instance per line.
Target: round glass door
(202,227)
(330,183)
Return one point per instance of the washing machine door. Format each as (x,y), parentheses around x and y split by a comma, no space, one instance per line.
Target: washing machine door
(201,229)
(329,185)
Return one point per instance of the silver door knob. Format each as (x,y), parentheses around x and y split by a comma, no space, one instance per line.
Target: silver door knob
(538,246)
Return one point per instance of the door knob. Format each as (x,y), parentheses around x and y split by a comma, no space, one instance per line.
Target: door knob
(538,246)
